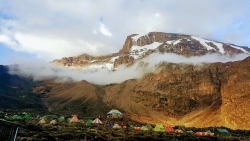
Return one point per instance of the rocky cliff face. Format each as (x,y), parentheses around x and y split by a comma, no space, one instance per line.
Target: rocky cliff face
(204,95)
(137,47)
(201,95)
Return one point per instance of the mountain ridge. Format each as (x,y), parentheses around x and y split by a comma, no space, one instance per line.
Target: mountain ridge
(137,47)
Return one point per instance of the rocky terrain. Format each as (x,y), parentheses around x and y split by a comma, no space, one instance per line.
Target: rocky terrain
(137,47)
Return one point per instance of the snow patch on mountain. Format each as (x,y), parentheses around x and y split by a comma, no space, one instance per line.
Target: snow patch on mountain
(174,42)
(114,58)
(137,51)
(136,37)
(204,43)
(239,48)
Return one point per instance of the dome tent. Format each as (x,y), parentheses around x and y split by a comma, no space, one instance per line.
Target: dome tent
(114,114)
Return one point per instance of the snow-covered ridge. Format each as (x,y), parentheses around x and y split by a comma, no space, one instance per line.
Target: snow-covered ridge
(204,43)
(242,49)
(137,51)
(142,44)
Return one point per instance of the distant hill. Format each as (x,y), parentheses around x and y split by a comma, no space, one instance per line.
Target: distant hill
(16,91)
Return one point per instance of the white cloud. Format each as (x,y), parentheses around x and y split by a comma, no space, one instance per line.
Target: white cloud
(148,65)
(55,29)
(104,30)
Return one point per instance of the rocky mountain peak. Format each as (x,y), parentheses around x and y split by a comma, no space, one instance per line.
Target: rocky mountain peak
(137,47)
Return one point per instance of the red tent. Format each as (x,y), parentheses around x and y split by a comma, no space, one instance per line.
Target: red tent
(97,120)
(169,128)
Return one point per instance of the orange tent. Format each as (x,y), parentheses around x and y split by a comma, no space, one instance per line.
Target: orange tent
(169,129)
(74,119)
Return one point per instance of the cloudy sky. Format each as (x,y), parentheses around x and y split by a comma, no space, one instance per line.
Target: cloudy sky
(52,29)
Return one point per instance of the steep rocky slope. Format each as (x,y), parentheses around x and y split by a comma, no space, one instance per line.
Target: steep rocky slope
(204,95)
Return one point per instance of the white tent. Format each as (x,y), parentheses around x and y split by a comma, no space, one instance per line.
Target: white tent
(114,114)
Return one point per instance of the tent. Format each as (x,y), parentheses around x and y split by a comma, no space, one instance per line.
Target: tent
(26,116)
(89,121)
(114,114)
(137,128)
(149,126)
(179,131)
(16,117)
(144,128)
(116,126)
(68,119)
(81,121)
(111,124)
(74,119)
(42,121)
(53,122)
(221,132)
(131,126)
(159,128)
(97,120)
(169,128)
(189,131)
(61,119)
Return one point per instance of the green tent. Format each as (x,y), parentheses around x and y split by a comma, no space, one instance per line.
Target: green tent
(149,126)
(190,131)
(159,128)
(144,128)
(61,119)
(221,132)
(81,121)
(131,126)
(16,117)
(68,120)
(88,122)
(26,116)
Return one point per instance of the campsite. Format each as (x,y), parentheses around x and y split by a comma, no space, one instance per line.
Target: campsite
(113,126)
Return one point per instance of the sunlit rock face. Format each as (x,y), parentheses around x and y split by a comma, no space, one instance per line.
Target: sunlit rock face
(214,94)
(137,47)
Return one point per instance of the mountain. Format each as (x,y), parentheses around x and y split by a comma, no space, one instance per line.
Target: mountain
(137,47)
(199,95)
(177,93)
(16,92)
(215,94)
